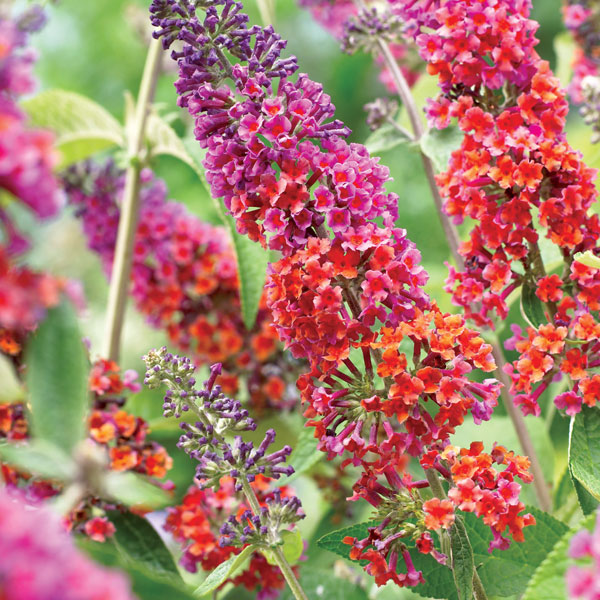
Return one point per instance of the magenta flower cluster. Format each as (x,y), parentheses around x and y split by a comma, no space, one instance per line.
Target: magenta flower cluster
(39,561)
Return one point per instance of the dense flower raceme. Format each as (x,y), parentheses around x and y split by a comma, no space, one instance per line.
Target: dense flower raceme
(184,280)
(39,561)
(123,435)
(583,578)
(518,179)
(196,523)
(349,285)
(26,161)
(225,466)
(342,19)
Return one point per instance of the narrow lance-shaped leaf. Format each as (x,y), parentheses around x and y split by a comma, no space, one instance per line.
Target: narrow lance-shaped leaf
(57,379)
(132,489)
(463,565)
(39,457)
(222,572)
(531,306)
(82,127)
(138,540)
(252,258)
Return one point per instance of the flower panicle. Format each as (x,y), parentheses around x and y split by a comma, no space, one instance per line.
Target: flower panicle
(206,440)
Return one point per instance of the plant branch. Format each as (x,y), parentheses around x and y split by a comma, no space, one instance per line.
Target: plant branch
(518,421)
(277,554)
(121,271)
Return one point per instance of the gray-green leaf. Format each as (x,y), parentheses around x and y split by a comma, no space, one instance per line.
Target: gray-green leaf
(82,127)
(463,565)
(222,572)
(252,258)
(438,145)
(385,138)
(57,379)
(132,489)
(39,457)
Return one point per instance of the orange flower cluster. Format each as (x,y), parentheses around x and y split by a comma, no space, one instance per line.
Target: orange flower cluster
(122,434)
(195,524)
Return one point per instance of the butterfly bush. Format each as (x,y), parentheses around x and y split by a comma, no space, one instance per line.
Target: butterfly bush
(196,524)
(225,466)
(184,280)
(123,436)
(38,560)
(518,180)
(389,371)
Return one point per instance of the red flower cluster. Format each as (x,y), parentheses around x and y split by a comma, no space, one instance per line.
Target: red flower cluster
(517,178)
(184,279)
(348,289)
(195,524)
(122,434)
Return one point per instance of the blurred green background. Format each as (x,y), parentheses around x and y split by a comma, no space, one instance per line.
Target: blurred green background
(97,48)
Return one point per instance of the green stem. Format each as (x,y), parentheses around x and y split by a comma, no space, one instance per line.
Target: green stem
(277,553)
(121,272)
(478,589)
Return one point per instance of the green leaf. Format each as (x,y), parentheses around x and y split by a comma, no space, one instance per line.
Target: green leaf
(564,48)
(438,145)
(520,560)
(584,449)
(531,306)
(57,379)
(82,127)
(222,572)
(463,565)
(548,581)
(132,489)
(251,257)
(12,390)
(252,261)
(138,540)
(304,456)
(293,545)
(586,501)
(387,137)
(145,584)
(39,457)
(163,139)
(589,259)
(321,584)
